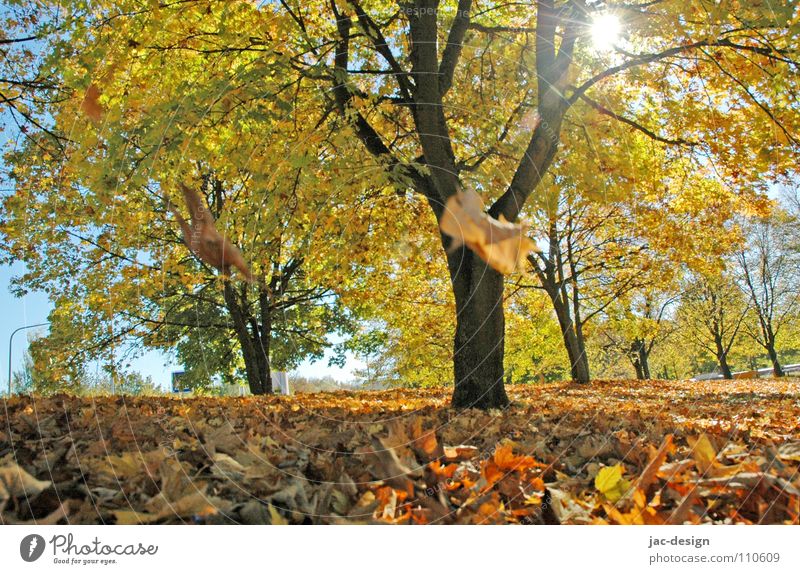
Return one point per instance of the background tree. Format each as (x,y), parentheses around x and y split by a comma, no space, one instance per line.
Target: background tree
(592,258)
(106,245)
(535,348)
(768,274)
(712,312)
(638,323)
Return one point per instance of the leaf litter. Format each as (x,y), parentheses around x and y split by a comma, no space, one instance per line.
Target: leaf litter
(621,452)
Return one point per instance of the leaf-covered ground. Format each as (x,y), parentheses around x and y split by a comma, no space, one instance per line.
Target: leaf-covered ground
(611,452)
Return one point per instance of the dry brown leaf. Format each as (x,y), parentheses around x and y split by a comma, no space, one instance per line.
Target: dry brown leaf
(203,239)
(684,510)
(223,439)
(503,245)
(494,481)
(460,453)
(649,473)
(750,481)
(91,103)
(15,482)
(226,466)
(62,512)
(567,509)
(789,451)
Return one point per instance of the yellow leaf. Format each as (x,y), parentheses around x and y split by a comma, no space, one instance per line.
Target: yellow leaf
(132,517)
(275,517)
(703,452)
(610,483)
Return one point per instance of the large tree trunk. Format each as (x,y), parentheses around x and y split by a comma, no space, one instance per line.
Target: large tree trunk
(637,365)
(255,355)
(722,359)
(640,359)
(479,338)
(644,360)
(723,366)
(264,338)
(264,372)
(777,369)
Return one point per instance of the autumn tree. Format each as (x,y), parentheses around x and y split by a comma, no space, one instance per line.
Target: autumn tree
(712,313)
(591,259)
(441,97)
(535,348)
(111,242)
(638,323)
(768,275)
(438,93)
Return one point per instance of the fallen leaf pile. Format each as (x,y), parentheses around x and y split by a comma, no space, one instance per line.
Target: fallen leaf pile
(623,452)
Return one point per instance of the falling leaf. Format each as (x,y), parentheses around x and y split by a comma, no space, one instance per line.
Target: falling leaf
(91,103)
(203,239)
(503,245)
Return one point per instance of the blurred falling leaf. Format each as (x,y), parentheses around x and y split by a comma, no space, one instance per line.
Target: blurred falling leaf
(91,103)
(503,245)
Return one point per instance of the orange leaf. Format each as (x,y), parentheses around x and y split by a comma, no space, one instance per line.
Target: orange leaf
(649,473)
(91,104)
(503,245)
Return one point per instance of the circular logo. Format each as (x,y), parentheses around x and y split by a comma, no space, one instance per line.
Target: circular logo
(31,547)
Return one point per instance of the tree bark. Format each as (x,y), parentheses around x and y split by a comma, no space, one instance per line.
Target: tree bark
(480,327)
(573,343)
(722,359)
(640,358)
(777,369)
(255,355)
(644,360)
(265,339)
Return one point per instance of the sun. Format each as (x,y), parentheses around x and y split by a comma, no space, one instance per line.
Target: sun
(606,29)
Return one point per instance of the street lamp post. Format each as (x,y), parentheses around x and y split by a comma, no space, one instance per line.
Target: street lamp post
(10,340)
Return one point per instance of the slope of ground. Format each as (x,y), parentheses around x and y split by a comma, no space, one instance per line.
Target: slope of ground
(612,452)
